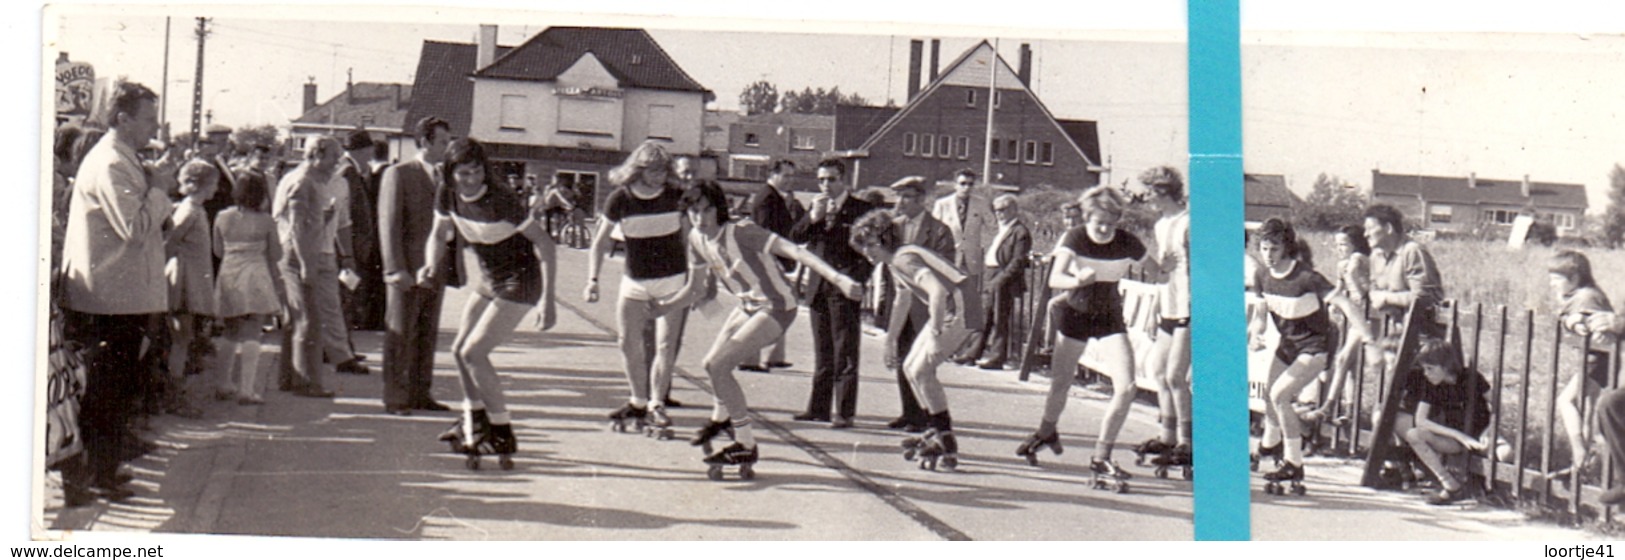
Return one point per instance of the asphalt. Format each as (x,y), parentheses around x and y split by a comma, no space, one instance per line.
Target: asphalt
(342,468)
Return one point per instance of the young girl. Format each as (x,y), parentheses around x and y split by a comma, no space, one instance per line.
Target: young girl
(249,287)
(1170,359)
(1296,298)
(1089,261)
(1353,283)
(1578,300)
(1442,425)
(190,272)
(740,256)
(922,275)
(645,207)
(517,261)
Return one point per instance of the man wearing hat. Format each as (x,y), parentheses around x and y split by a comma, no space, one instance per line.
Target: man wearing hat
(213,148)
(916,227)
(363,306)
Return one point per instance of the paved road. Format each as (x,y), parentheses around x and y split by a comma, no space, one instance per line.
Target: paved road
(342,468)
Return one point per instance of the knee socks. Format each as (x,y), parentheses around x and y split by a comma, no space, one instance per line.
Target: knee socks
(249,368)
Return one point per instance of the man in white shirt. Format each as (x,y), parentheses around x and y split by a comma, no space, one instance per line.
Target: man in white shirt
(1005,263)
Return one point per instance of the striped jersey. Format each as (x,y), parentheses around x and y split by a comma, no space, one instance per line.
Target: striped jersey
(740,257)
(653,229)
(491,225)
(1296,302)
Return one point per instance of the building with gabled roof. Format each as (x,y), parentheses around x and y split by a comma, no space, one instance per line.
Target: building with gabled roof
(944,128)
(1266,196)
(378,108)
(442,85)
(1469,204)
(572,102)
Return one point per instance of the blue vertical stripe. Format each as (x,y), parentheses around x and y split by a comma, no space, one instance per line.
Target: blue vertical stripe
(1218,334)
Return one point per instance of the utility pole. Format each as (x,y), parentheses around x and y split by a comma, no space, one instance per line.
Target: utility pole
(163,97)
(197,82)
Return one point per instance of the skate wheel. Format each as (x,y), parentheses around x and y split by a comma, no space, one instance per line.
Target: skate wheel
(1186,472)
(1299,490)
(909,454)
(617,427)
(1139,461)
(706,447)
(1032,459)
(1122,488)
(472,462)
(950,464)
(505,462)
(1161,472)
(746,472)
(714,472)
(1098,484)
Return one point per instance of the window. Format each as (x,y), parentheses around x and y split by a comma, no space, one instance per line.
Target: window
(1047,155)
(964,147)
(1565,221)
(909,143)
(1031,151)
(927,141)
(511,117)
(802,141)
(1501,217)
(1012,152)
(585,183)
(755,171)
(588,116)
(660,125)
(1439,214)
(970,98)
(945,145)
(993,149)
(751,139)
(998,99)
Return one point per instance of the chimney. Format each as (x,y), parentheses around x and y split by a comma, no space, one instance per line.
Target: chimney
(487,52)
(1525,190)
(1472,180)
(310,95)
(936,53)
(1025,71)
(349,86)
(915,53)
(397,97)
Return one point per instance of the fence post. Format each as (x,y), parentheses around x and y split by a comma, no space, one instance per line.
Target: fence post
(1574,470)
(1474,379)
(1523,399)
(1359,389)
(1608,465)
(1551,416)
(1495,400)
(1037,334)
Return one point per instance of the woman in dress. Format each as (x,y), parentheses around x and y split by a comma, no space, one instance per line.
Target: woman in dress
(249,288)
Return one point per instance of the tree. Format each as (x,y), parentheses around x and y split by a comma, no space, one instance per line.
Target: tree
(819,101)
(1613,219)
(1331,204)
(249,136)
(759,97)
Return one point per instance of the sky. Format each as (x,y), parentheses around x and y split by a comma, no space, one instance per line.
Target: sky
(256,61)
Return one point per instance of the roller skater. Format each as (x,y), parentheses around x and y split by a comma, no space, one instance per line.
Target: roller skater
(1109,476)
(517,260)
(710,431)
(739,256)
(1037,442)
(1087,264)
(1290,474)
(628,418)
(1170,359)
(923,276)
(735,455)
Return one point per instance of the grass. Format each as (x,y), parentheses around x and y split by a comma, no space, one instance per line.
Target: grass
(1479,273)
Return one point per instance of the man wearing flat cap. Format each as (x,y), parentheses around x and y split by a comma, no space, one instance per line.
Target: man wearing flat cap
(915,226)
(363,306)
(213,147)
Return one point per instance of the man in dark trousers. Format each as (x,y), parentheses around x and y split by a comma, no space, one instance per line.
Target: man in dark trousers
(836,324)
(412,312)
(916,227)
(1006,266)
(364,305)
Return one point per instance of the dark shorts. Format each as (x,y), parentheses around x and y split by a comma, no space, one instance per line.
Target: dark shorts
(1168,325)
(1596,368)
(523,288)
(1086,326)
(1289,350)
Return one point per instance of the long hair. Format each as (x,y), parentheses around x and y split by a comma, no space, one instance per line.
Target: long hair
(1164,180)
(464,151)
(1356,235)
(648,154)
(874,228)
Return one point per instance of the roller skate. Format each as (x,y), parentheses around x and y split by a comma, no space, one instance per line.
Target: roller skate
(1274,452)
(733,455)
(1153,446)
(1288,473)
(657,424)
(453,436)
(499,441)
(933,450)
(1109,476)
(710,431)
(1176,456)
(626,415)
(1037,442)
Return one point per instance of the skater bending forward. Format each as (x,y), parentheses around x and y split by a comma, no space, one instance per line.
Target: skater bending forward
(1296,298)
(517,261)
(925,277)
(1089,261)
(740,256)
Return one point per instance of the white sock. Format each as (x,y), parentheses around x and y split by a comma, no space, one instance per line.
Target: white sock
(249,368)
(743,433)
(1272,435)
(225,352)
(1294,450)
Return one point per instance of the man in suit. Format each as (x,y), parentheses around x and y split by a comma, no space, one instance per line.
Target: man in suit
(406,197)
(364,305)
(836,324)
(1006,265)
(916,227)
(768,209)
(971,219)
(213,148)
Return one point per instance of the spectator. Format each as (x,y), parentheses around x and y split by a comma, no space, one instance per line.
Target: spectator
(1442,425)
(836,321)
(1005,264)
(915,227)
